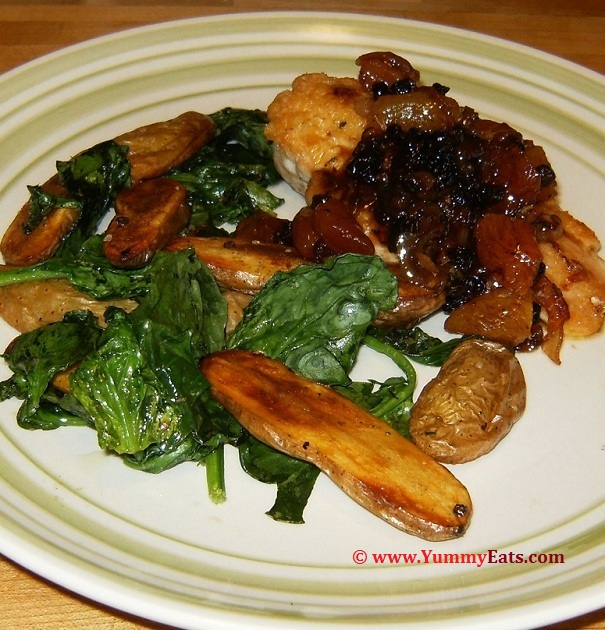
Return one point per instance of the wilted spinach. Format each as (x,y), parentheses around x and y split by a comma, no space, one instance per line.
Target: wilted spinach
(142,384)
(89,271)
(35,357)
(313,319)
(131,405)
(392,400)
(417,344)
(92,180)
(137,380)
(228,178)
(294,478)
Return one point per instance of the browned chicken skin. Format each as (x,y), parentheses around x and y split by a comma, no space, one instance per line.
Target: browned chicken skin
(315,126)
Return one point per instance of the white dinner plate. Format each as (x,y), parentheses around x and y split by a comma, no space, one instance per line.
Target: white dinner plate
(156,546)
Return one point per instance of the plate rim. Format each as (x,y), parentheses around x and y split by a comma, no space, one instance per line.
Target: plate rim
(494,40)
(50,58)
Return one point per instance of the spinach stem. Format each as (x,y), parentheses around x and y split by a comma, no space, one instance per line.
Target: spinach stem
(400,360)
(391,404)
(215,475)
(28,274)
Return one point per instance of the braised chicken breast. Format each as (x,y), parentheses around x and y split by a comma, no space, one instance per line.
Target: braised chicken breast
(315,126)
(463,209)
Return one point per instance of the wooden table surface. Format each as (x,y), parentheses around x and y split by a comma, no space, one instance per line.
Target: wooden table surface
(573,29)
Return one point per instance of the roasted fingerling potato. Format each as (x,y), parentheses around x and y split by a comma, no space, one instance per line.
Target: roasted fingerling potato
(372,463)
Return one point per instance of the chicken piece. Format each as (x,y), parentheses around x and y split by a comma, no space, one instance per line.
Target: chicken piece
(315,126)
(574,266)
(156,148)
(21,248)
(305,127)
(239,265)
(373,464)
(148,216)
(28,305)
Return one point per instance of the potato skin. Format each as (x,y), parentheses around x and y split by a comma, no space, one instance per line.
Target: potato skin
(156,148)
(237,264)
(22,248)
(471,404)
(149,215)
(372,463)
(29,305)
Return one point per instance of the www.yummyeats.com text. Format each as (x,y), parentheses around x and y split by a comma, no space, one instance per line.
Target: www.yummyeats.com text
(430,556)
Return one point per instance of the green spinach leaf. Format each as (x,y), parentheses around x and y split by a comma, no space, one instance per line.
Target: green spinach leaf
(314,317)
(294,478)
(119,389)
(417,344)
(142,385)
(35,357)
(228,178)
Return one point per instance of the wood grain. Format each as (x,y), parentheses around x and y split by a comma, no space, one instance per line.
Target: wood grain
(572,29)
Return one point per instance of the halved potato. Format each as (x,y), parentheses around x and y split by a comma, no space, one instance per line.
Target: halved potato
(239,265)
(28,305)
(154,149)
(471,404)
(149,215)
(20,247)
(364,456)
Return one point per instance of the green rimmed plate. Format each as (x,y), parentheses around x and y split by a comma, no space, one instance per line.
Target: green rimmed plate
(154,545)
